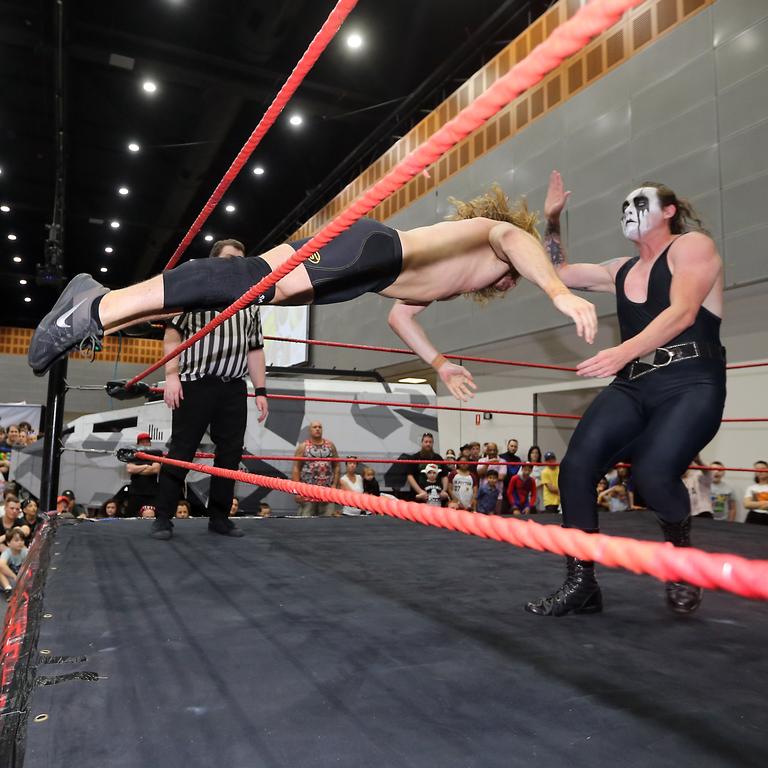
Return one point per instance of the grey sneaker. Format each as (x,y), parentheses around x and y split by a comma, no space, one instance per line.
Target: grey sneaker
(68,325)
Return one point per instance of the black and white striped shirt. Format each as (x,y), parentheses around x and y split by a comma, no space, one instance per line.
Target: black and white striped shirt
(224,351)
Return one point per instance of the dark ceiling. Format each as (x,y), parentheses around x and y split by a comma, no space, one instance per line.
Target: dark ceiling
(217,65)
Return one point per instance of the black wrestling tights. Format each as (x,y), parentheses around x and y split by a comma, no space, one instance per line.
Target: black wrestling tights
(659,427)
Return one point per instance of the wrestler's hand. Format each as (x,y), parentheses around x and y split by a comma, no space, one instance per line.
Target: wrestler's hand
(458,380)
(173,394)
(581,312)
(262,406)
(607,362)
(557,197)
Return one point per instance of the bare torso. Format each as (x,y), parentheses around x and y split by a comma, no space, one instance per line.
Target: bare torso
(440,261)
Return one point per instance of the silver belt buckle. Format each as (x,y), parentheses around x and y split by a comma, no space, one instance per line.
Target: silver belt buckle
(670,357)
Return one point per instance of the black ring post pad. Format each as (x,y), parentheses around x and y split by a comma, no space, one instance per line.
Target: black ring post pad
(120,391)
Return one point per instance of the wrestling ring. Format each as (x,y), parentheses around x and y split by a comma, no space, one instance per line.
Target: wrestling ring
(367,642)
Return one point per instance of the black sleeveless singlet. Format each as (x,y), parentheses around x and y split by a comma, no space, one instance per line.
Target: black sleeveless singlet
(634,316)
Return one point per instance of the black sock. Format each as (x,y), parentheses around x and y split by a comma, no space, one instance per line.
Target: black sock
(95,312)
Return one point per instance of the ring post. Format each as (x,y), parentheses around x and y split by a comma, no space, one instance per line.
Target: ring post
(54,422)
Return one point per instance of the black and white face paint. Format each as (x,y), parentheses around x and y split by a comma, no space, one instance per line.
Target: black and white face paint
(640,213)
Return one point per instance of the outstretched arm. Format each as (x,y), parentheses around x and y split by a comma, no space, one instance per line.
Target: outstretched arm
(584,277)
(526,255)
(402,320)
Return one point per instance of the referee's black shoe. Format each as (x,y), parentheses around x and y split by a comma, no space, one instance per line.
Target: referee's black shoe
(162,529)
(224,526)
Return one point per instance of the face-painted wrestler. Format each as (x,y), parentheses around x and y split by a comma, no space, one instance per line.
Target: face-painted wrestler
(482,252)
(667,399)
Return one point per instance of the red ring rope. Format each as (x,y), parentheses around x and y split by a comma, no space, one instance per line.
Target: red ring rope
(462,409)
(490,462)
(748,578)
(321,40)
(569,38)
(401,351)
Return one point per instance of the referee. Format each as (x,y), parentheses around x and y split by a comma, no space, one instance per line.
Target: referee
(205,388)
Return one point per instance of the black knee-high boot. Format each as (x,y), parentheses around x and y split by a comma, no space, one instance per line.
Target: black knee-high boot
(580,592)
(681,596)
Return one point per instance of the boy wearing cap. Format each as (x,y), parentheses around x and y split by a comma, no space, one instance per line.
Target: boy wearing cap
(432,492)
(143,472)
(550,484)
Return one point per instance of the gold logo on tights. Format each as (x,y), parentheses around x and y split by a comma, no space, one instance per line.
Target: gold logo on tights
(315,257)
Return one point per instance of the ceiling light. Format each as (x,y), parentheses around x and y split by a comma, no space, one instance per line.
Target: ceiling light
(114,224)
(411,380)
(355,41)
(149,86)
(258,171)
(123,191)
(109,249)
(7,208)
(11,236)
(22,281)
(103,269)
(17,259)
(133,147)
(27,299)
(1,171)
(229,208)
(296,120)
(208,238)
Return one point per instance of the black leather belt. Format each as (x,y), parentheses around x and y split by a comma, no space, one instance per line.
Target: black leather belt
(672,353)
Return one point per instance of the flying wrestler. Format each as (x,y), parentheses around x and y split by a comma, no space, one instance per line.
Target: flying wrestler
(482,252)
(667,399)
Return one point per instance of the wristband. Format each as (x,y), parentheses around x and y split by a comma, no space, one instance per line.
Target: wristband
(260,391)
(438,362)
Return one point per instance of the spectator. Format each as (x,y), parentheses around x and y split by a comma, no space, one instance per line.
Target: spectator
(522,492)
(624,477)
(534,458)
(474,454)
(615,498)
(316,472)
(723,496)
(11,518)
(11,561)
(144,473)
(264,509)
(492,459)
(234,507)
(450,456)
(550,477)
(147,512)
(431,491)
(30,511)
(352,482)
(76,510)
(698,483)
(426,455)
(602,485)
(3,439)
(488,493)
(370,483)
(109,508)
(62,507)
(756,498)
(183,509)
(12,436)
(462,487)
(510,455)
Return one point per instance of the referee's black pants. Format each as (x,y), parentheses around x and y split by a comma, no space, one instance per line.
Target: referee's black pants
(222,408)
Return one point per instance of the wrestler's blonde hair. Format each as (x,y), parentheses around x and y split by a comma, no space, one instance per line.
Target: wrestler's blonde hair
(495,205)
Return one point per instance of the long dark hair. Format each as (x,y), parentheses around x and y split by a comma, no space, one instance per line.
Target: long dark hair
(534,448)
(686,219)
